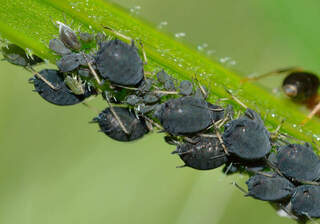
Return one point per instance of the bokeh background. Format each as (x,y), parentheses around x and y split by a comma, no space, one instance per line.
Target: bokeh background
(56,168)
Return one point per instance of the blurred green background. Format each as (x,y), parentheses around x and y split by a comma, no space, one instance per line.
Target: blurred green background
(56,168)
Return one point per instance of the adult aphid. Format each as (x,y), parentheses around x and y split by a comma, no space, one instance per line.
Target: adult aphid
(187,115)
(247,137)
(61,95)
(269,187)
(110,124)
(120,63)
(68,36)
(298,162)
(205,154)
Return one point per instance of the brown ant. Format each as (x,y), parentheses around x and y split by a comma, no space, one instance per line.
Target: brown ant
(300,86)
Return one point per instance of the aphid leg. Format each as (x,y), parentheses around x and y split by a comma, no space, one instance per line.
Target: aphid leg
(166,92)
(228,168)
(118,34)
(152,122)
(315,110)
(182,166)
(95,75)
(275,72)
(38,75)
(236,99)
(240,188)
(203,91)
(117,117)
(222,143)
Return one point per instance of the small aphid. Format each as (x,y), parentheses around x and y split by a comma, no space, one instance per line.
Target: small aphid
(85,73)
(298,162)
(61,95)
(133,100)
(57,46)
(120,63)
(306,201)
(17,56)
(185,88)
(68,36)
(186,115)
(269,187)
(75,84)
(150,98)
(206,154)
(166,80)
(72,61)
(86,37)
(247,137)
(136,127)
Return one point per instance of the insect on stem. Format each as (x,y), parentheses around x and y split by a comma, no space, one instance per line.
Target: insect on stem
(95,75)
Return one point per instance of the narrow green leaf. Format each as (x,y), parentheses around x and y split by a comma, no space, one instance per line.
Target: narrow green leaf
(29,24)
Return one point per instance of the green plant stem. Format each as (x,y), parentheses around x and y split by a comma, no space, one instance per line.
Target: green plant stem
(29,24)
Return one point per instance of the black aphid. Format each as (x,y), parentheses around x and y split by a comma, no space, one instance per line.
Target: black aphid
(61,95)
(207,153)
(133,100)
(17,56)
(150,98)
(68,37)
(269,187)
(247,137)
(185,88)
(187,115)
(110,125)
(306,201)
(72,61)
(298,162)
(166,80)
(86,37)
(57,46)
(120,63)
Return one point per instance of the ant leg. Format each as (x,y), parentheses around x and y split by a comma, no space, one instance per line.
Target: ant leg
(315,110)
(275,72)
(38,75)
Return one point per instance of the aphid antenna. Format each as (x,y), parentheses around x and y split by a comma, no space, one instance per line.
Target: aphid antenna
(32,70)
(260,173)
(235,98)
(95,75)
(246,193)
(165,92)
(203,91)
(221,122)
(129,39)
(117,117)
(125,87)
(274,72)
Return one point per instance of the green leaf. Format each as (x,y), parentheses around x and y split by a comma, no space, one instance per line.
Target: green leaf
(29,24)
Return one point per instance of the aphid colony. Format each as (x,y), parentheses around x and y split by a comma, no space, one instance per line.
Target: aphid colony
(282,173)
